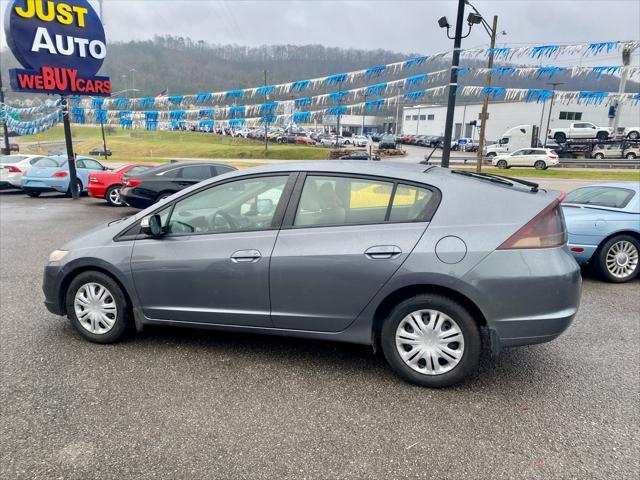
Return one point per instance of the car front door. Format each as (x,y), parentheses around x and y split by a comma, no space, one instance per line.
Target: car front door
(212,264)
(343,237)
(518,158)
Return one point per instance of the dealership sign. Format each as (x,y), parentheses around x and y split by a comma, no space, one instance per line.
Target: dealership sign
(60,44)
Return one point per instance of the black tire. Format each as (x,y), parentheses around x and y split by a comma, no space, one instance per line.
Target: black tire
(79,183)
(122,316)
(502,164)
(603,251)
(540,165)
(560,137)
(630,156)
(633,135)
(468,363)
(602,135)
(491,154)
(111,193)
(599,156)
(33,193)
(163,195)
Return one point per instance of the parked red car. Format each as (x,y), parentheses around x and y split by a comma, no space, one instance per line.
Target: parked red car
(305,141)
(107,184)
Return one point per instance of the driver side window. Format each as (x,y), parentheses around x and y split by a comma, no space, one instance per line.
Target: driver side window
(239,206)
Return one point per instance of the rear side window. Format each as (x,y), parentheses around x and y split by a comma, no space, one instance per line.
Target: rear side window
(137,170)
(197,172)
(328,200)
(46,162)
(613,197)
(220,169)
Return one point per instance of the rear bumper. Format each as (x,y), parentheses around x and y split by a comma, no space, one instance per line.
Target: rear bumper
(527,296)
(96,191)
(134,199)
(585,255)
(11,180)
(45,184)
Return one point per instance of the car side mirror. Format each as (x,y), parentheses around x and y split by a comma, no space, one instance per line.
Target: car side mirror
(105,168)
(151,226)
(264,206)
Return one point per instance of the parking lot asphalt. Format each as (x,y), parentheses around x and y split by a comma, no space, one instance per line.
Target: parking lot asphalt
(171,403)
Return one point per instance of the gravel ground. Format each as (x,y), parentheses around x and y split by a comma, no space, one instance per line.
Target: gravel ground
(173,403)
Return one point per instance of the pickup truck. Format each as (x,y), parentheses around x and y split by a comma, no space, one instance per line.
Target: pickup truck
(632,133)
(580,130)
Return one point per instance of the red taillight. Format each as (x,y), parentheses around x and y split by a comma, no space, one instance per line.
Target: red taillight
(132,183)
(12,169)
(60,174)
(545,230)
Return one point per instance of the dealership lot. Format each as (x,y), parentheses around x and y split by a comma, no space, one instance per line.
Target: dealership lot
(175,403)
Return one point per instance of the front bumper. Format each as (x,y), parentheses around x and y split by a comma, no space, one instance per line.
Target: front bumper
(52,288)
(527,296)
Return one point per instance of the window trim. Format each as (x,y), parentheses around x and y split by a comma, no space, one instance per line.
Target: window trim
(630,194)
(296,195)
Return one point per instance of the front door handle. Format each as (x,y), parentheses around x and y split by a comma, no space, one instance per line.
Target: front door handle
(246,256)
(383,252)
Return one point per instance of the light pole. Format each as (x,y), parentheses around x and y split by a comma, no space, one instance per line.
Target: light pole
(553,97)
(472,19)
(364,111)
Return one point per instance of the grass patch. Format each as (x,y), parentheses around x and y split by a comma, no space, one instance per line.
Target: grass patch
(126,145)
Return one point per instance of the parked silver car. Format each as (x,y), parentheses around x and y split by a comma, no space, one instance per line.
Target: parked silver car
(398,256)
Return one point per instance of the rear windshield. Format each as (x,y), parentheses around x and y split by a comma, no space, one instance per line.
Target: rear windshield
(12,158)
(49,162)
(614,197)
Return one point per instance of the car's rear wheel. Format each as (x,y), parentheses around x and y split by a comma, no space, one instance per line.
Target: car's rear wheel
(634,135)
(618,259)
(97,307)
(540,165)
(560,137)
(79,184)
(32,193)
(502,164)
(630,156)
(432,341)
(491,154)
(112,196)
(163,195)
(602,135)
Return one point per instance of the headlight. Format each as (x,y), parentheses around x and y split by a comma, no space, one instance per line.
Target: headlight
(57,255)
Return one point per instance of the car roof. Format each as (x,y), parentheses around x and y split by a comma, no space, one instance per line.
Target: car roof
(635,186)
(170,166)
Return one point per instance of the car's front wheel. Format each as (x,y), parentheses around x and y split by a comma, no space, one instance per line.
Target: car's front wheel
(112,196)
(432,341)
(634,135)
(599,156)
(618,259)
(97,307)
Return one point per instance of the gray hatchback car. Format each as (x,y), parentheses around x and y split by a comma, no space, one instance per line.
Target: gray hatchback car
(411,259)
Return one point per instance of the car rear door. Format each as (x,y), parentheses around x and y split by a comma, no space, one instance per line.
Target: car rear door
(343,237)
(212,264)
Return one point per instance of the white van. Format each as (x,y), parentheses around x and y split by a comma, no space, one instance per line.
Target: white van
(513,139)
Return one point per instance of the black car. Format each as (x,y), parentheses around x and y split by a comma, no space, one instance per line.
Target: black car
(100,152)
(359,156)
(436,142)
(161,182)
(387,142)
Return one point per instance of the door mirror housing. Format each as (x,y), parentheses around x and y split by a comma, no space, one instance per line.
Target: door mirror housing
(151,226)
(264,206)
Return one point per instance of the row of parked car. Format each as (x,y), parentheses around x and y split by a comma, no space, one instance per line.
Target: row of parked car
(136,184)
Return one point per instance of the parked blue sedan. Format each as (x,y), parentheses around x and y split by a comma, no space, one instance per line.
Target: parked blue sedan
(603,221)
(51,174)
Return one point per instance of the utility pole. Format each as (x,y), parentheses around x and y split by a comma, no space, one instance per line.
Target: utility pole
(544,104)
(395,130)
(104,140)
(364,111)
(626,60)
(484,115)
(73,177)
(5,129)
(553,97)
(453,86)
(266,124)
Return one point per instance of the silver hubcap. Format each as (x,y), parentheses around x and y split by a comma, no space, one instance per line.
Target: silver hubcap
(430,342)
(622,259)
(95,308)
(114,196)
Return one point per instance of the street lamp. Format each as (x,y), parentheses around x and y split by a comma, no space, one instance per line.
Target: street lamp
(473,19)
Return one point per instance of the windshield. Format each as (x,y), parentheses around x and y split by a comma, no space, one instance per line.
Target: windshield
(614,197)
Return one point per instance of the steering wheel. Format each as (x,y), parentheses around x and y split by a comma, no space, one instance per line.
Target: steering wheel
(227,218)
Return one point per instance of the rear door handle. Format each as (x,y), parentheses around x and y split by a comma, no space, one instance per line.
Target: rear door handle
(246,256)
(383,252)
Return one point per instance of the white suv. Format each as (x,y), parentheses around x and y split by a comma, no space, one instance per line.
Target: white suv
(539,158)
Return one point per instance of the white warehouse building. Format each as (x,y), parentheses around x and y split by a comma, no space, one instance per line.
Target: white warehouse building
(430,119)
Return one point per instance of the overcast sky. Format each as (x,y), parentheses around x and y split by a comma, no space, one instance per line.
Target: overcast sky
(403,26)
